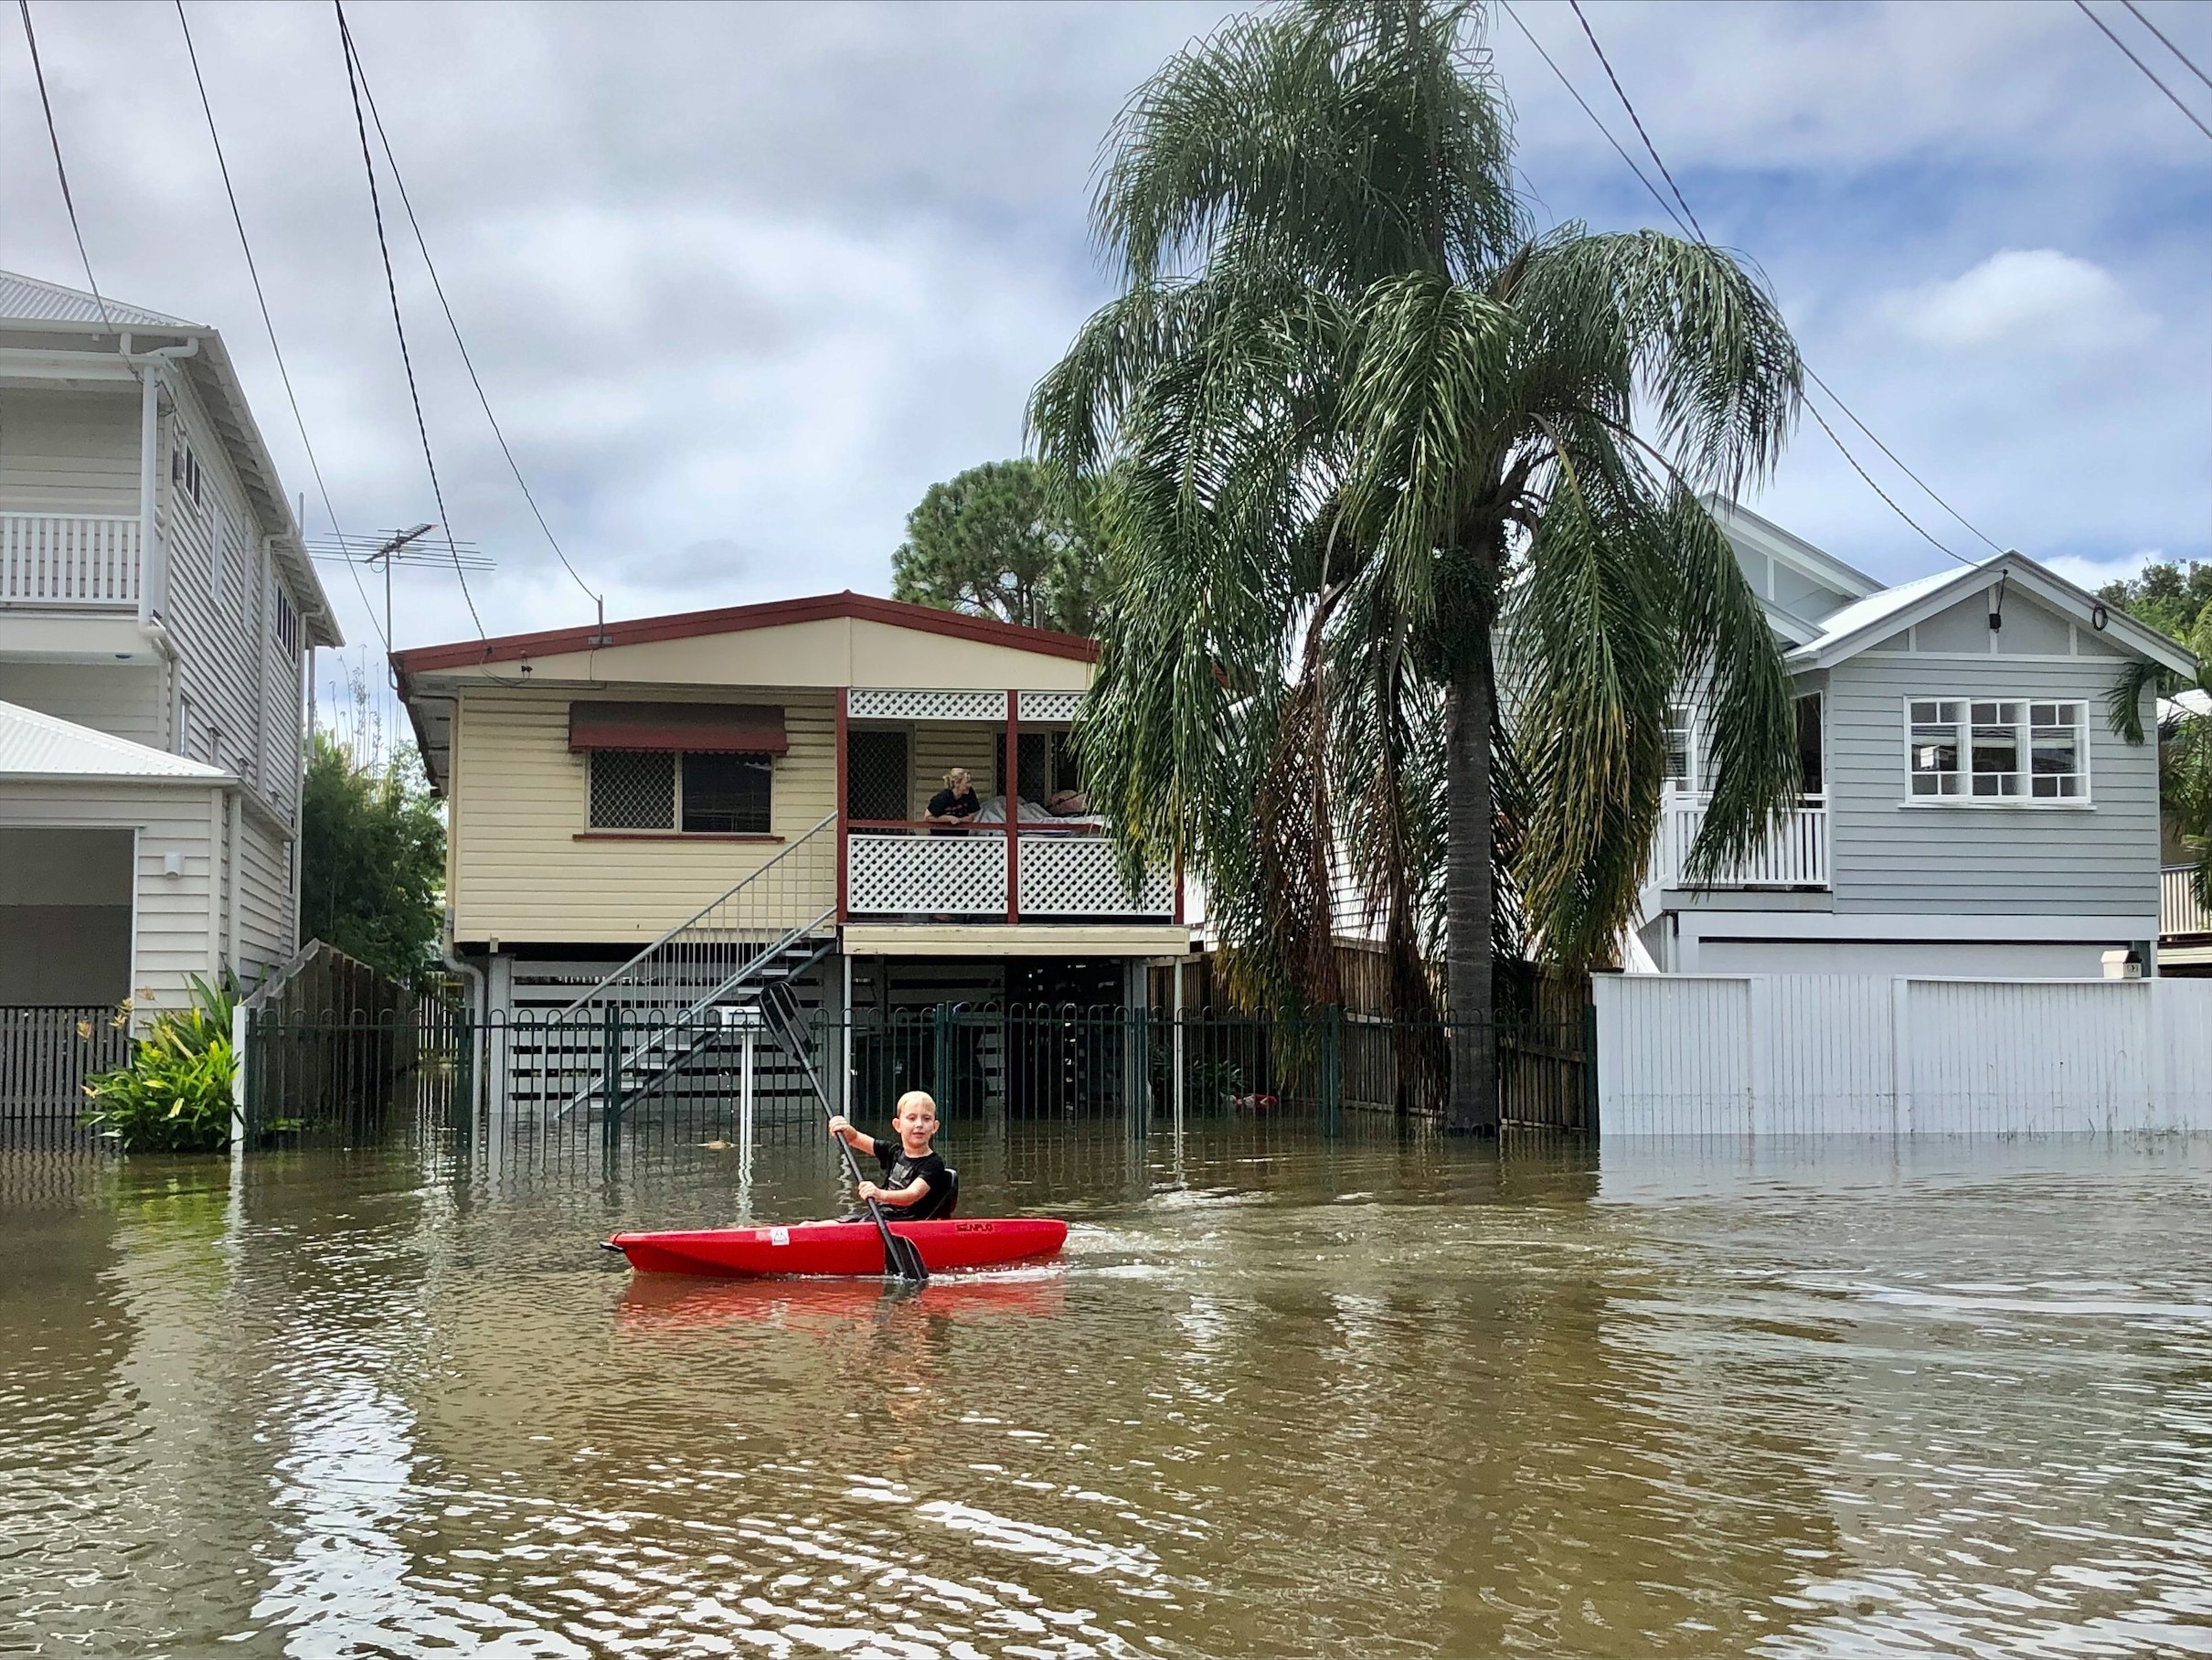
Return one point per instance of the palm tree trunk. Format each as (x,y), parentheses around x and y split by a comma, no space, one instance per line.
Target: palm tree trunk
(1473,1105)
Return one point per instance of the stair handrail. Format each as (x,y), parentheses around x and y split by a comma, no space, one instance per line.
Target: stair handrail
(720,899)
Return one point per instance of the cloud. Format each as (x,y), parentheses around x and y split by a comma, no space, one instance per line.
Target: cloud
(2023,297)
(2093,574)
(758,276)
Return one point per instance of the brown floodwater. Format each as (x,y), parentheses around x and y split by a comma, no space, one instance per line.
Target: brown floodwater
(1282,1396)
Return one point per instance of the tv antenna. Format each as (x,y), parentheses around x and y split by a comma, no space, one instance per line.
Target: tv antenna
(389,548)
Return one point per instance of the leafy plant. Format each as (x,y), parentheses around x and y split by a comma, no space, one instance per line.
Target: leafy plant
(174,1096)
(372,856)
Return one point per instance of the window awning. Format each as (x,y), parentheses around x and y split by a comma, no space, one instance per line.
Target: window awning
(702,728)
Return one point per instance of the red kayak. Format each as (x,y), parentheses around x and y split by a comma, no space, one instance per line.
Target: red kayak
(851,1248)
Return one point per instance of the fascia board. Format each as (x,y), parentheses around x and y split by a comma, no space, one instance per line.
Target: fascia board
(2055,590)
(1790,549)
(1970,579)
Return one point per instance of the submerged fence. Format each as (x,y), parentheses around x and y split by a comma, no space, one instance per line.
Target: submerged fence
(46,1055)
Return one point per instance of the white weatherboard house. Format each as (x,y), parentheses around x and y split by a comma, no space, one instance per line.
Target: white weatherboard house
(157,606)
(1968,809)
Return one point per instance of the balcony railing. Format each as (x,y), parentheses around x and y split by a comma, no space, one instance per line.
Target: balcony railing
(2178,911)
(1060,875)
(1794,857)
(69,559)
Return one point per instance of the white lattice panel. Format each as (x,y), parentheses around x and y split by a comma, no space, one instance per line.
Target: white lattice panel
(927,875)
(883,703)
(1050,707)
(1074,875)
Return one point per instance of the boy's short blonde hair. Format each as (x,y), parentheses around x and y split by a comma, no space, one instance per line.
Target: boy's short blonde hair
(915,1097)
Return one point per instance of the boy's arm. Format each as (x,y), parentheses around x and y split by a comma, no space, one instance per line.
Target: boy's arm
(913,1193)
(842,1128)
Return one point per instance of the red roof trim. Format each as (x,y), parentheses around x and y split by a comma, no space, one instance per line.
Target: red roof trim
(742,618)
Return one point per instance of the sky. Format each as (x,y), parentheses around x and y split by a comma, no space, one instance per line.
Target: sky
(742,281)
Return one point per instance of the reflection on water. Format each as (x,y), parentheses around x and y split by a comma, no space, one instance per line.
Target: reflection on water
(1373,1396)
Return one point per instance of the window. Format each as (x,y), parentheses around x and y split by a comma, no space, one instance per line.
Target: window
(665,789)
(726,794)
(287,630)
(875,774)
(633,789)
(1681,747)
(1997,750)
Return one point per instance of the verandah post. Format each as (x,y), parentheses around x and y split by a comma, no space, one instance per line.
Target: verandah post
(1010,792)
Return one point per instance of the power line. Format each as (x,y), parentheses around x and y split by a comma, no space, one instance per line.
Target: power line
(1667,207)
(2149,73)
(1595,122)
(1606,63)
(407,202)
(1812,409)
(391,287)
(254,271)
(54,137)
(2137,12)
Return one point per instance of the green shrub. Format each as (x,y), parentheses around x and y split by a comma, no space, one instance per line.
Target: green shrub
(174,1096)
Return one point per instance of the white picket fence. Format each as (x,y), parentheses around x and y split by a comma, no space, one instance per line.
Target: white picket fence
(1873,1055)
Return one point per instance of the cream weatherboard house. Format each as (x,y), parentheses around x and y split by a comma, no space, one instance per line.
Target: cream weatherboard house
(157,607)
(674,812)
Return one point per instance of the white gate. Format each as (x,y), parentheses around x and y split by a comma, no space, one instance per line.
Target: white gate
(1872,1055)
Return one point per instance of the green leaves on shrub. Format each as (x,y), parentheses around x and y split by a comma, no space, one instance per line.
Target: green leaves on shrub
(174,1096)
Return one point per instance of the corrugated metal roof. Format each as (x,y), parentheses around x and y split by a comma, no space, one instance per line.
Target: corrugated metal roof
(33,745)
(30,300)
(1873,608)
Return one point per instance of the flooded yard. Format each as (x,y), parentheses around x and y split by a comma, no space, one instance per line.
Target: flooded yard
(1282,1396)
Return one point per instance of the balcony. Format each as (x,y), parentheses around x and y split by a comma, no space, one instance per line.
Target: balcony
(76,561)
(1060,875)
(1794,858)
(1054,864)
(2179,914)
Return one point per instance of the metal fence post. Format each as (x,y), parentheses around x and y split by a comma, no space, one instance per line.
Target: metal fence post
(1332,1071)
(610,1073)
(1590,1068)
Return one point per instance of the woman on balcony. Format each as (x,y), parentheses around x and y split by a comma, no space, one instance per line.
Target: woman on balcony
(956,803)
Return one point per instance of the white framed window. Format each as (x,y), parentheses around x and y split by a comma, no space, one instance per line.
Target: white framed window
(1681,747)
(2014,751)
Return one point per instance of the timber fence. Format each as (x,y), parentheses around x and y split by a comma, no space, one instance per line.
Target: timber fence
(46,1055)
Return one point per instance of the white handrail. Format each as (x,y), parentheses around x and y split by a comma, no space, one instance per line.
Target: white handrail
(1794,856)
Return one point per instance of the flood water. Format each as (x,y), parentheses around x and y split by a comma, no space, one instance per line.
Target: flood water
(1282,1396)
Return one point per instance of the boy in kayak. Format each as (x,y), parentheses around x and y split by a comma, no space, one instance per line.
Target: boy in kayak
(916,1186)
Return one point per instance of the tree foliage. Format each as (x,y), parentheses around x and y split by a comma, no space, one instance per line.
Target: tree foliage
(372,857)
(1397,589)
(2175,601)
(2179,604)
(997,542)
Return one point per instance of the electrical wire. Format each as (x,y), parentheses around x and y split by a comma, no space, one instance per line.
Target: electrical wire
(407,202)
(1668,208)
(1653,150)
(2148,73)
(1594,119)
(61,172)
(391,287)
(2137,12)
(254,271)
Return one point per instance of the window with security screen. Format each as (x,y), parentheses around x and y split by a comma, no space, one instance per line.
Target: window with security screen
(875,774)
(633,789)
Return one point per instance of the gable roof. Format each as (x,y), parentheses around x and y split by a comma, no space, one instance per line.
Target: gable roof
(34,745)
(1867,622)
(32,305)
(744,619)
(1763,536)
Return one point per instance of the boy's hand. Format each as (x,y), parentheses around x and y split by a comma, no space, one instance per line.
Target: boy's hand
(840,1126)
(868,1190)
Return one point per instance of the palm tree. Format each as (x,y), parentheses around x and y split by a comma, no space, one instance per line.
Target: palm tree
(1392,572)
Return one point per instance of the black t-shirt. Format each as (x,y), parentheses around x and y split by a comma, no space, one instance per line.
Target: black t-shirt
(902,1169)
(945,804)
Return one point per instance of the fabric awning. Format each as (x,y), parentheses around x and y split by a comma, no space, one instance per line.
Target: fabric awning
(705,728)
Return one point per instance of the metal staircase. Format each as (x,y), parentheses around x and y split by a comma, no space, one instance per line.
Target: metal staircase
(675,1003)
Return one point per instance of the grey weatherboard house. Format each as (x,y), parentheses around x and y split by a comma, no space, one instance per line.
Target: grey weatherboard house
(1968,809)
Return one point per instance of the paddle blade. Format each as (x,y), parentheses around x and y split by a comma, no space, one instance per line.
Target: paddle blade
(903,1261)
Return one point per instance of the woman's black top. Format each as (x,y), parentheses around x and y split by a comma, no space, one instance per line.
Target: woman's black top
(945,804)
